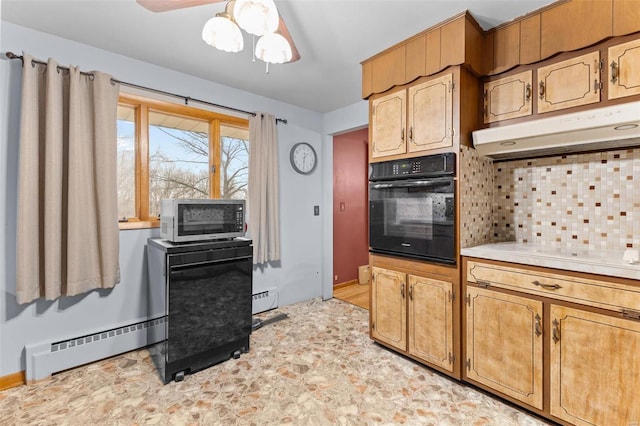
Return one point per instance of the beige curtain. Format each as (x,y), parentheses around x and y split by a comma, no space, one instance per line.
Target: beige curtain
(264,198)
(67,200)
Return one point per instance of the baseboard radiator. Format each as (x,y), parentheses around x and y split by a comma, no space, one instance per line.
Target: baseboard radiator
(45,359)
(265,300)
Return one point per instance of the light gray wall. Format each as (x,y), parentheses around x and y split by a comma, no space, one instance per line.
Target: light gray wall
(303,273)
(352,117)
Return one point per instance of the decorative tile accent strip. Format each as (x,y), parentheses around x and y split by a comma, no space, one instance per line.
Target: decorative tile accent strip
(476,198)
(586,201)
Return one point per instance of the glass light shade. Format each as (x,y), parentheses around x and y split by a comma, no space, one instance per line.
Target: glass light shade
(256,17)
(222,33)
(273,48)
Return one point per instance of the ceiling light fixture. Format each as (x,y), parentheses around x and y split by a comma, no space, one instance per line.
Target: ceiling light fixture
(222,32)
(256,17)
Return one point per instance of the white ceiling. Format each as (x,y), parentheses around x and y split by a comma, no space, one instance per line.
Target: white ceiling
(333,37)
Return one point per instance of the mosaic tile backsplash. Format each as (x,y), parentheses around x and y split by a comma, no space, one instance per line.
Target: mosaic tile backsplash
(476,200)
(583,201)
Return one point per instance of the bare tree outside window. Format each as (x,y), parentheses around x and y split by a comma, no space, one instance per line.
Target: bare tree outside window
(180,162)
(126,162)
(234,162)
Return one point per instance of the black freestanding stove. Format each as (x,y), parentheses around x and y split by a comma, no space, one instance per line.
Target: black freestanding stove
(204,291)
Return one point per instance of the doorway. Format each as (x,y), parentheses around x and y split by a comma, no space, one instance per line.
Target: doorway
(350,215)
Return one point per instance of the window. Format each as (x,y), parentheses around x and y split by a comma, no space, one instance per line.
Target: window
(173,151)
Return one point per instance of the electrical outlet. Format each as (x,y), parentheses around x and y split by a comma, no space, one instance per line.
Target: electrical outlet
(335,278)
(316,210)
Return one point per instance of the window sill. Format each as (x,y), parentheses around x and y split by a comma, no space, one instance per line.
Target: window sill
(139,224)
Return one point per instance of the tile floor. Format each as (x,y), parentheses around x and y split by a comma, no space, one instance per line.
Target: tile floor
(318,367)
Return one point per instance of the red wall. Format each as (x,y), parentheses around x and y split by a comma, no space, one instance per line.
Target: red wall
(350,205)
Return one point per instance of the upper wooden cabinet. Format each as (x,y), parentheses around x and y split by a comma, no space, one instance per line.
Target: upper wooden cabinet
(429,121)
(508,97)
(574,25)
(388,70)
(560,27)
(430,114)
(569,83)
(624,69)
(387,125)
(626,17)
(454,42)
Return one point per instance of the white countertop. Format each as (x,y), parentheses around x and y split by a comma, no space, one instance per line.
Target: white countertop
(600,262)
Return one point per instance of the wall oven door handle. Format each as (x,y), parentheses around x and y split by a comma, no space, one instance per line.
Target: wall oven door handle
(430,183)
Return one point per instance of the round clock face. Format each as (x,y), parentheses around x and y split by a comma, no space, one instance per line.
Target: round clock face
(303,158)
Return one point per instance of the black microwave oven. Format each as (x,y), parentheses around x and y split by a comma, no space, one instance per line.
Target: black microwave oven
(183,220)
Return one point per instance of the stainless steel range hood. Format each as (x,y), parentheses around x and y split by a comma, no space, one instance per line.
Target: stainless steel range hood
(609,127)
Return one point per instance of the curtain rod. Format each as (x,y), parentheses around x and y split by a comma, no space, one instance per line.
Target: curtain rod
(12,55)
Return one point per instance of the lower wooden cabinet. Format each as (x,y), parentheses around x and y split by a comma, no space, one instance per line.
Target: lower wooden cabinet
(595,368)
(575,363)
(412,311)
(504,344)
(431,321)
(389,307)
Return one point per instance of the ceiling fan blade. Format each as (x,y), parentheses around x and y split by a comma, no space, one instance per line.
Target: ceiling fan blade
(284,32)
(166,5)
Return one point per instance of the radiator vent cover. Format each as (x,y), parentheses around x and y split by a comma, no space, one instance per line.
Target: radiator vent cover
(265,300)
(46,358)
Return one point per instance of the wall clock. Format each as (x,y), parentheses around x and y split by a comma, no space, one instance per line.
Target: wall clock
(303,158)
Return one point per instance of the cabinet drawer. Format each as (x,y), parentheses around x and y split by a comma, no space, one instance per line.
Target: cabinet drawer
(591,292)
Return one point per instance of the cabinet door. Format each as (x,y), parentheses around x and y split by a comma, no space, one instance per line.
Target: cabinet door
(624,68)
(595,368)
(431,321)
(388,117)
(504,344)
(508,97)
(430,114)
(387,69)
(389,307)
(569,83)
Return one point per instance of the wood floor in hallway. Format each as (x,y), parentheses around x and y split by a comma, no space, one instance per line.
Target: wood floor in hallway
(356,294)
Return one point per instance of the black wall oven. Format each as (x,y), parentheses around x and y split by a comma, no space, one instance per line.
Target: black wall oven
(412,208)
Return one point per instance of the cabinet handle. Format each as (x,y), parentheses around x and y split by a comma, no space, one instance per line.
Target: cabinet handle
(411,134)
(402,135)
(538,326)
(402,290)
(547,286)
(556,331)
(411,292)
(527,92)
(541,89)
(614,72)
(595,85)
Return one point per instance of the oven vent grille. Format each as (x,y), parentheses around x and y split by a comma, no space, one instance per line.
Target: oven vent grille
(265,300)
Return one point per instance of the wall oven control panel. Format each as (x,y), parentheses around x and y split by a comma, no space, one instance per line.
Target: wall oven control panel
(431,165)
